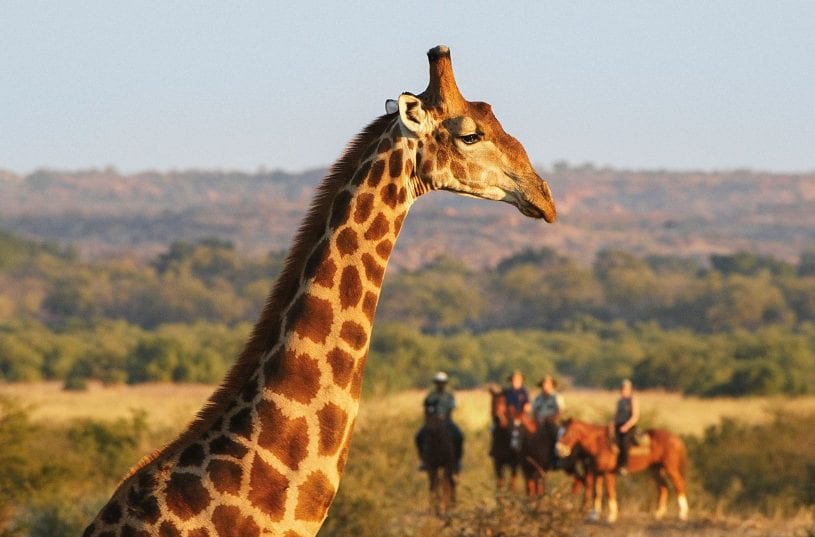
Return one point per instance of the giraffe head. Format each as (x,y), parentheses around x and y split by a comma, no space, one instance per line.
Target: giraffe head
(463,148)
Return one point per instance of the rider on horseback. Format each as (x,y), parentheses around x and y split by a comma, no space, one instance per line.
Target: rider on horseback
(516,395)
(625,423)
(442,403)
(547,407)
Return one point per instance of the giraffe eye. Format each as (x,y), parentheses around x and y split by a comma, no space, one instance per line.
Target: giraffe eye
(470,139)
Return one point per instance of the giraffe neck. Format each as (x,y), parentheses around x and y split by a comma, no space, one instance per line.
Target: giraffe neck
(266,454)
(308,387)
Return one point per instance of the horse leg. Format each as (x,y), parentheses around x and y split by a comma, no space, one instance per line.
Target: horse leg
(451,479)
(679,484)
(662,493)
(588,488)
(499,474)
(597,508)
(444,492)
(513,477)
(434,489)
(611,490)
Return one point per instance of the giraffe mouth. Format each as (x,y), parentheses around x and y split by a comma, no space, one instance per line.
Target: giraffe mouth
(536,200)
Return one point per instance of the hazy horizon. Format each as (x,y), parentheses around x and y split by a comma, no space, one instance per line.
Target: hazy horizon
(276,86)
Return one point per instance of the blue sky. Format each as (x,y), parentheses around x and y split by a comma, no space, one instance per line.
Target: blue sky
(173,85)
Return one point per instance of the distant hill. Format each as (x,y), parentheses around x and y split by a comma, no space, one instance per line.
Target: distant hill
(103,212)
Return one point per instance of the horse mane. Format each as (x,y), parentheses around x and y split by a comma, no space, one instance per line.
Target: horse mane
(266,332)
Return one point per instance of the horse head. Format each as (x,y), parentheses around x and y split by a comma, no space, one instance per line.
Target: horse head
(576,433)
(593,439)
(499,410)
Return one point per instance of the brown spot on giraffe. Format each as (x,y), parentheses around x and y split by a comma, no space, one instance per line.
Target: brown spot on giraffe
(291,533)
(378,228)
(350,287)
(373,270)
(363,207)
(409,168)
(296,376)
(193,455)
(230,522)
(199,532)
(340,209)
(167,529)
(285,438)
(317,257)
(457,169)
(223,445)
(347,242)
(342,365)
(383,249)
(185,495)
(427,167)
(397,223)
(332,420)
(313,497)
(324,275)
(377,170)
(241,423)
(143,506)
(353,334)
(361,174)
(112,513)
(395,164)
(343,457)
(356,379)
(390,194)
(251,390)
(384,146)
(441,158)
(310,317)
(267,489)
(369,305)
(225,476)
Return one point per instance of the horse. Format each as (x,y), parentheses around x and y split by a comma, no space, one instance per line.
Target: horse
(504,451)
(537,443)
(439,460)
(662,452)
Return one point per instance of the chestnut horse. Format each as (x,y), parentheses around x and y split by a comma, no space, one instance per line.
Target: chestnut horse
(537,457)
(439,459)
(662,452)
(504,450)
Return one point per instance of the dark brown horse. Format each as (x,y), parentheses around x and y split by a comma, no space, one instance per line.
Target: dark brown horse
(537,457)
(505,452)
(439,459)
(662,452)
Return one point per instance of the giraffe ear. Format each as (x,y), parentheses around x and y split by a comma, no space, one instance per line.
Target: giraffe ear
(412,113)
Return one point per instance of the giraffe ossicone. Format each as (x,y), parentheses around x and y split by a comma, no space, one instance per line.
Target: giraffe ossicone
(265,455)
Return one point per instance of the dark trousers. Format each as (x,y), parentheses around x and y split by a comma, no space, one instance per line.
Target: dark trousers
(624,440)
(455,433)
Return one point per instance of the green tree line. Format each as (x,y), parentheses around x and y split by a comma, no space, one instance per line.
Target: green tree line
(729,325)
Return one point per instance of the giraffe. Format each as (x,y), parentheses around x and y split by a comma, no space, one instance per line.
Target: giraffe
(265,454)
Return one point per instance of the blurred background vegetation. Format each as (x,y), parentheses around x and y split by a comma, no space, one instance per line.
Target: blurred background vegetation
(735,325)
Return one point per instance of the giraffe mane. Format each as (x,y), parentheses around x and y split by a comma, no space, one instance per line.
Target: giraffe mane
(266,331)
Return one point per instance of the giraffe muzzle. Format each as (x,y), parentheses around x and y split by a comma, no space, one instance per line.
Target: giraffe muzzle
(536,199)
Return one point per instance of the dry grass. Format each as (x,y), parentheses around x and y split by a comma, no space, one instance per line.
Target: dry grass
(173,405)
(170,407)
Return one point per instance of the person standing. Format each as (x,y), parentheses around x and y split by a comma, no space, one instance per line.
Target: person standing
(626,416)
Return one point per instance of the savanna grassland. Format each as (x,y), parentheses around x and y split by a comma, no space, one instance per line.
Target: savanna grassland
(97,434)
